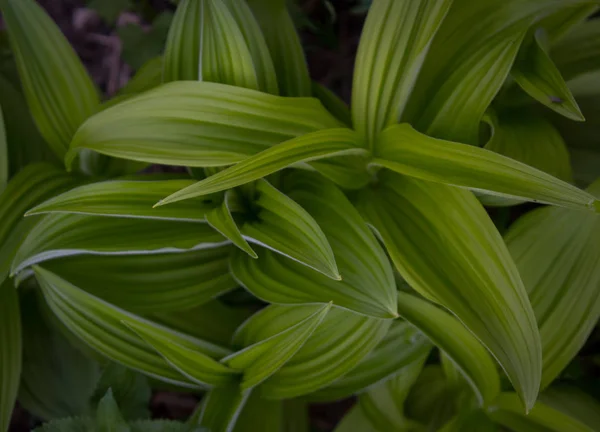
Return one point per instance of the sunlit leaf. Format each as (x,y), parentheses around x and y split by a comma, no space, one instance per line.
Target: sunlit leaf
(10,351)
(406,151)
(446,247)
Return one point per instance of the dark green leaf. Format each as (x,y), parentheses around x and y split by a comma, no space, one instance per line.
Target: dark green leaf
(10,351)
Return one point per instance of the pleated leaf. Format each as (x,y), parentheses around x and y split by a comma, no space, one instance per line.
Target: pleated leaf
(393,46)
(402,346)
(535,72)
(406,151)
(340,342)
(285,227)
(562,275)
(61,235)
(464,351)
(146,283)
(206,44)
(101,326)
(59,92)
(367,284)
(198,124)
(284,45)
(128,199)
(507,412)
(310,147)
(579,51)
(446,247)
(262,359)
(10,351)
(221,407)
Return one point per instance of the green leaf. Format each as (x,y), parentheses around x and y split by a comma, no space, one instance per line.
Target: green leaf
(562,274)
(264,415)
(60,93)
(574,403)
(566,20)
(221,220)
(341,341)
(406,151)
(535,72)
(475,420)
(367,284)
(221,407)
(261,359)
(108,416)
(395,40)
(579,51)
(283,226)
(285,47)
(190,123)
(332,103)
(78,424)
(4,170)
(57,380)
(128,198)
(10,351)
(402,346)
(309,147)
(507,411)
(100,325)
(139,44)
(61,235)
(206,44)
(146,78)
(146,283)
(162,426)
(459,261)
(462,348)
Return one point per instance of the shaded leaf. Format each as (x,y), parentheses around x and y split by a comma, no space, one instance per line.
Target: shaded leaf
(146,78)
(579,51)
(10,351)
(77,424)
(108,416)
(261,414)
(221,407)
(162,426)
(574,403)
(475,420)
(332,103)
(4,170)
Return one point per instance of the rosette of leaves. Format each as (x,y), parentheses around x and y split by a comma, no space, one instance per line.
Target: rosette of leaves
(363,229)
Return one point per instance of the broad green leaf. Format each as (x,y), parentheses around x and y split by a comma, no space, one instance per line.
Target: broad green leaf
(462,348)
(348,172)
(402,346)
(108,416)
(468,62)
(309,147)
(60,93)
(4,170)
(406,151)
(394,42)
(57,380)
(222,406)
(333,103)
(77,424)
(146,283)
(100,325)
(535,72)
(195,359)
(128,198)
(259,414)
(206,44)
(10,351)
(285,47)
(340,342)
(263,358)
(355,419)
(507,411)
(367,284)
(562,275)
(146,78)
(61,235)
(476,420)
(579,51)
(283,226)
(574,403)
(459,261)
(198,124)
(221,219)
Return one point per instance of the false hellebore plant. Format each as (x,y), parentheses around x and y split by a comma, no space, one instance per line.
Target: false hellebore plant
(363,230)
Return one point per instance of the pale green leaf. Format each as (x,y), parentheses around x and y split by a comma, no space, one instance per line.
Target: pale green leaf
(108,415)
(367,284)
(406,151)
(263,358)
(446,247)
(535,72)
(61,235)
(100,325)
(60,93)
(579,51)
(4,170)
(146,78)
(339,344)
(394,42)
(574,403)
(222,406)
(10,351)
(333,103)
(222,220)
(309,147)
(198,124)
(507,411)
(206,44)
(462,348)
(285,47)
(128,198)
(283,226)
(402,345)
(562,275)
